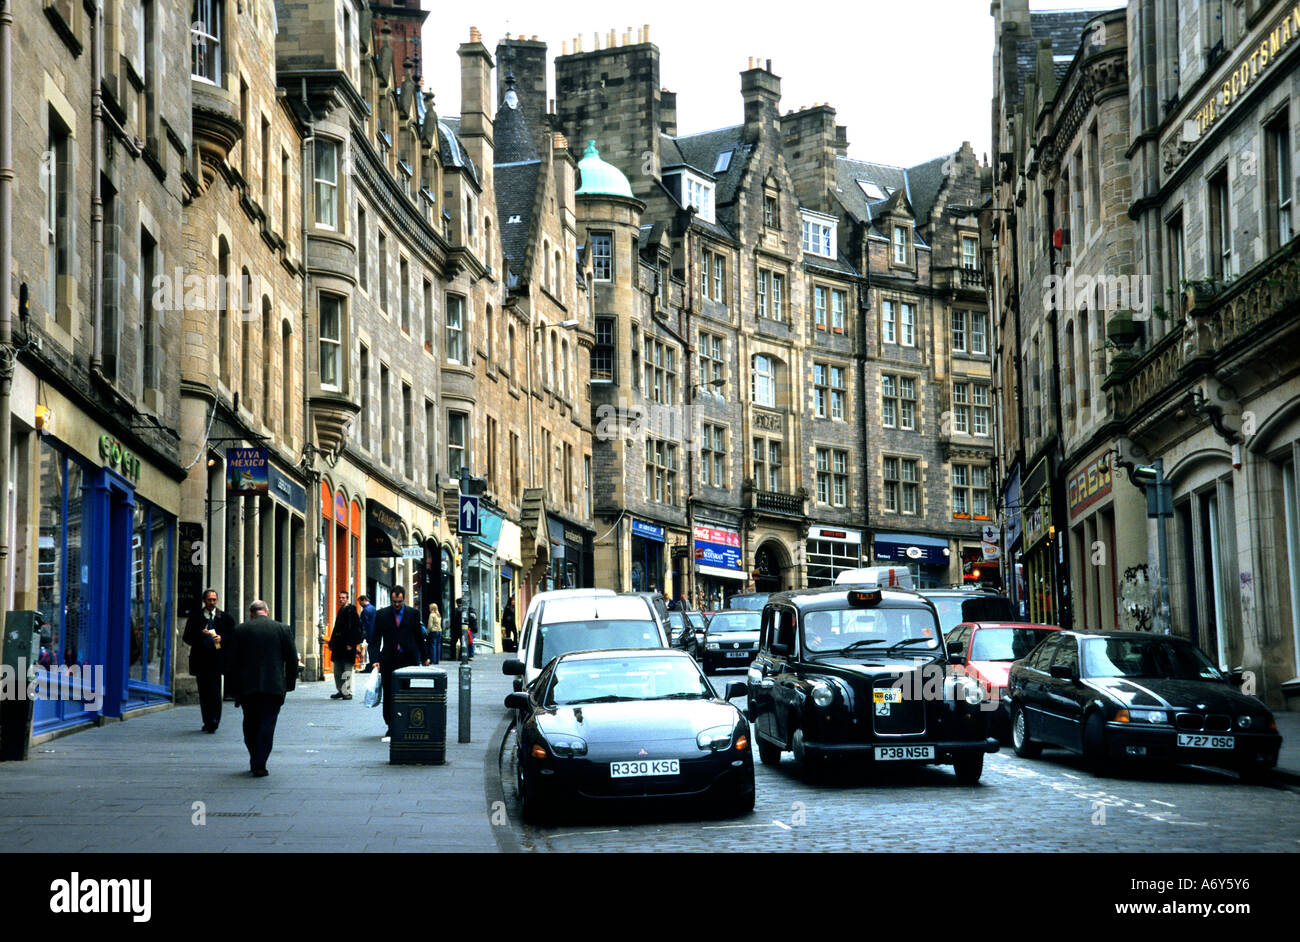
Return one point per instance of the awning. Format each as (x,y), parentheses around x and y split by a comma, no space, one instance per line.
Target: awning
(383,530)
(489,527)
(912,547)
(719,573)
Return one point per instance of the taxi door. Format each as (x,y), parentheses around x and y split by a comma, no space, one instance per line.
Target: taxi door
(759,678)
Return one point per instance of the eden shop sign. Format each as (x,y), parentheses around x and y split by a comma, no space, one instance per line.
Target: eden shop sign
(118,458)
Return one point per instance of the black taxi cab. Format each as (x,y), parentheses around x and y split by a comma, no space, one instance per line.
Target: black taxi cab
(860,672)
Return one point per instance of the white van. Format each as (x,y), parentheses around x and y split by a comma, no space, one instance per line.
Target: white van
(581,620)
(887,577)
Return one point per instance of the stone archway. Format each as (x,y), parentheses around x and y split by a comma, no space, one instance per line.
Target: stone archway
(772,567)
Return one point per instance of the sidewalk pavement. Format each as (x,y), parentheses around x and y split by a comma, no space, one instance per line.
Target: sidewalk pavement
(156,783)
(1288,758)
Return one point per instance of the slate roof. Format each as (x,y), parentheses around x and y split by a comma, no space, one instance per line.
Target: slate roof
(1064,28)
(510,134)
(700,152)
(453,154)
(516,188)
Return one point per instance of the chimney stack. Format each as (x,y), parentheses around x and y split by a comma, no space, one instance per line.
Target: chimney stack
(668,112)
(761,91)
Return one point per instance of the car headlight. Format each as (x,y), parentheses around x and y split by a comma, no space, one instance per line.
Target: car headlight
(970,690)
(823,694)
(712,646)
(715,738)
(1149,716)
(566,747)
(1245,722)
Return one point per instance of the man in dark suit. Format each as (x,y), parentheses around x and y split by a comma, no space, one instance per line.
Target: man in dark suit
(345,642)
(207,632)
(399,642)
(263,667)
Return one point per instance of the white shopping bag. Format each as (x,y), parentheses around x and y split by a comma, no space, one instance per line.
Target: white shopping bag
(370,687)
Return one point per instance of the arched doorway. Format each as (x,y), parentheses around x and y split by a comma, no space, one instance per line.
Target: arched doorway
(771,567)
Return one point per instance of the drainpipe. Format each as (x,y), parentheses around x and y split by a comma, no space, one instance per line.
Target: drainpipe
(6,275)
(309,451)
(97,195)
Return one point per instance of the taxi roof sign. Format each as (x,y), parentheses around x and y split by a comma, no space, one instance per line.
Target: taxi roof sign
(862,597)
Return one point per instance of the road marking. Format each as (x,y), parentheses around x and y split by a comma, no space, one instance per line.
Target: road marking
(609,831)
(724,827)
(782,825)
(1068,775)
(1157,801)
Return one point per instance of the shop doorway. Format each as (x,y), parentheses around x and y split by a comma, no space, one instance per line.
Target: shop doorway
(771,567)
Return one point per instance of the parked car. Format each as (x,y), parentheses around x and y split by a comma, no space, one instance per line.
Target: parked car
(986,650)
(633,725)
(894,577)
(583,620)
(957,604)
(1128,695)
(731,640)
(750,600)
(679,621)
(859,672)
(659,606)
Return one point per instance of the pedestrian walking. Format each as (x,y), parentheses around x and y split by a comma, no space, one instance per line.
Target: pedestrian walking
(434,633)
(345,644)
(368,612)
(399,642)
(471,626)
(457,627)
(263,668)
(508,625)
(207,632)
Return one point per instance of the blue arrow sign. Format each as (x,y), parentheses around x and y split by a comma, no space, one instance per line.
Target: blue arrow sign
(468,524)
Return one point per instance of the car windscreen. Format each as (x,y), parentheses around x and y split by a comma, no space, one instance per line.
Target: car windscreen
(751,602)
(1005,644)
(565,636)
(870,628)
(735,621)
(696,619)
(955,609)
(1155,657)
(606,680)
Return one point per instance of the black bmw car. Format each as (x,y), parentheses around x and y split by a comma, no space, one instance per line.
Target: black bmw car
(731,640)
(632,725)
(1122,695)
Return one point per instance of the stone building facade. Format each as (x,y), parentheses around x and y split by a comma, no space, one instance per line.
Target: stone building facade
(101,159)
(241,366)
(1165,147)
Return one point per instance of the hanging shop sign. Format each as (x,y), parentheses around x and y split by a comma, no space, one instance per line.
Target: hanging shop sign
(246,471)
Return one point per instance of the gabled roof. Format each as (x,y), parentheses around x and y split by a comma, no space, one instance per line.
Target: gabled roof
(1064,28)
(510,132)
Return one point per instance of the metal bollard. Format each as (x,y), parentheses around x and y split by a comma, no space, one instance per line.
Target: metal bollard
(463,702)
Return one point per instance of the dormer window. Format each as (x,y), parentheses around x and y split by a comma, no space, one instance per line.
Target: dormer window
(771,212)
(699,194)
(818,234)
(900,245)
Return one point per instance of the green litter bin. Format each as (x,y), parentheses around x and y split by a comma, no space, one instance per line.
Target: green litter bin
(419,734)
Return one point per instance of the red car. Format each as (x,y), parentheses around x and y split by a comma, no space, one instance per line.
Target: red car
(986,649)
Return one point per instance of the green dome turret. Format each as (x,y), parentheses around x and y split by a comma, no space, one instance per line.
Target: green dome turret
(600,178)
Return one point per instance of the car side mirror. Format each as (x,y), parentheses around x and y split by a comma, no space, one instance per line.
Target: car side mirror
(1237,677)
(736,689)
(956,652)
(517,701)
(512,666)
(779,648)
(1062,672)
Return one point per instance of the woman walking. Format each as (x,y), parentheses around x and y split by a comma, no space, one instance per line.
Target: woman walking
(435,632)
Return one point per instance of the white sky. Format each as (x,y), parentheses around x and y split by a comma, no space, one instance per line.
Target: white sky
(911,79)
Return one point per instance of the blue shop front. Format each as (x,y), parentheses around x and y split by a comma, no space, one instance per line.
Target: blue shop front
(102,521)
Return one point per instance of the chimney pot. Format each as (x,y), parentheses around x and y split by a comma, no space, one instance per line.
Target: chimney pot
(534,37)
(474,35)
(769,65)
